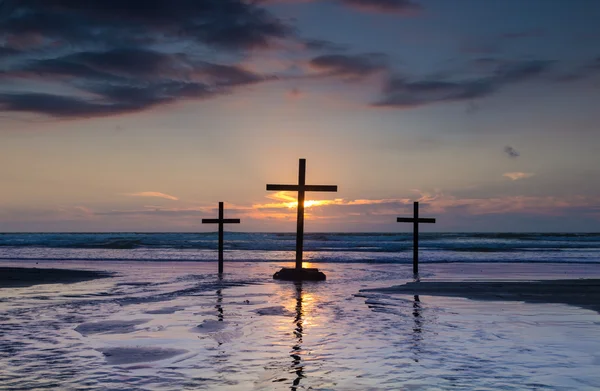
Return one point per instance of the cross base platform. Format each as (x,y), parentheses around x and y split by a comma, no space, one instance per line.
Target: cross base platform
(304,274)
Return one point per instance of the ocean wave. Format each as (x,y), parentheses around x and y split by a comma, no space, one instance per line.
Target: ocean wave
(322,247)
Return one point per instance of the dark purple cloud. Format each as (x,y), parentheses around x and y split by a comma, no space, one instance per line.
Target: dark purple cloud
(511,152)
(405,7)
(585,71)
(350,66)
(405,94)
(6,52)
(402,92)
(322,45)
(230,24)
(121,81)
(396,6)
(122,56)
(64,106)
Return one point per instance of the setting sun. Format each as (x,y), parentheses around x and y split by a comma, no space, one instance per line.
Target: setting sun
(308,203)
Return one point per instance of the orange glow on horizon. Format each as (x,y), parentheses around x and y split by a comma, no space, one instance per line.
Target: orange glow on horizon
(308,203)
(288,201)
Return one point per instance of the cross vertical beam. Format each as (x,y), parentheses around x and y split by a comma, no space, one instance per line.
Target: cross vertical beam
(416,238)
(221,238)
(300,215)
(415,220)
(221,221)
(301,188)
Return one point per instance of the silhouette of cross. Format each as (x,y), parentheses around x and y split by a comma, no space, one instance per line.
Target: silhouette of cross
(415,220)
(220,221)
(301,188)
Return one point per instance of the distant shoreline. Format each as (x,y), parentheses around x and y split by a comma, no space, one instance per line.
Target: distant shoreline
(20,277)
(584,293)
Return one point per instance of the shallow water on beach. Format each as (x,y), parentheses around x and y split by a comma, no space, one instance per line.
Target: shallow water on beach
(176,326)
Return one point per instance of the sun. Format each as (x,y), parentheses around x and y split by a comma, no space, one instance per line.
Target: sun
(307,203)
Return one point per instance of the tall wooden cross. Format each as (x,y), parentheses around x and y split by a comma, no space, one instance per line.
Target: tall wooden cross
(415,220)
(220,221)
(301,188)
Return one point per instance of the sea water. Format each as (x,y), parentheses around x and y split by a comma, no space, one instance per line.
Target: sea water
(319,247)
(163,323)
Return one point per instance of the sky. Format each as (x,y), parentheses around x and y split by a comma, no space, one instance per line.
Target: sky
(121,115)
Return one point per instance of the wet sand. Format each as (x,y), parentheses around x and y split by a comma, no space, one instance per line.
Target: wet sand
(584,293)
(18,277)
(172,326)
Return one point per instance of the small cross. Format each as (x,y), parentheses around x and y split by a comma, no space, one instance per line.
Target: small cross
(415,220)
(220,221)
(301,188)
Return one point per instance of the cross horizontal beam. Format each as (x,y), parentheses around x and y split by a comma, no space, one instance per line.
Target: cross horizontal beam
(331,188)
(412,220)
(218,221)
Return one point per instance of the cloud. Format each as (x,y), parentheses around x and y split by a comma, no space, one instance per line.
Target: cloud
(497,43)
(153,194)
(121,81)
(515,176)
(322,45)
(524,34)
(589,69)
(348,66)
(231,24)
(118,57)
(511,152)
(404,7)
(294,93)
(340,214)
(402,92)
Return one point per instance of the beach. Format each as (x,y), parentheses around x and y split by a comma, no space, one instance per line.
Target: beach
(584,293)
(176,325)
(23,277)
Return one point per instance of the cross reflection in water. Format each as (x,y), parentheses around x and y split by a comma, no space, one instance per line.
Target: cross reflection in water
(297,365)
(219,305)
(417,337)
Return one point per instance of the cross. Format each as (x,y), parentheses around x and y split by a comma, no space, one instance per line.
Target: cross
(301,188)
(220,221)
(415,220)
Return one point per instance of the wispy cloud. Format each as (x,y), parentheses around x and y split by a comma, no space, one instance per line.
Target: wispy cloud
(405,7)
(405,92)
(279,212)
(401,7)
(153,194)
(515,176)
(349,66)
(435,203)
(511,152)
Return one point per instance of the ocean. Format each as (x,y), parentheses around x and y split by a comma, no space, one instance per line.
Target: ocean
(167,321)
(318,247)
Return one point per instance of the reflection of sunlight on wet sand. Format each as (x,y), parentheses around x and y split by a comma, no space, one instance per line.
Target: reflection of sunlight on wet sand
(299,321)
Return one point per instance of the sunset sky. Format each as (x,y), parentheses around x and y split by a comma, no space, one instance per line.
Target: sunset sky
(141,116)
